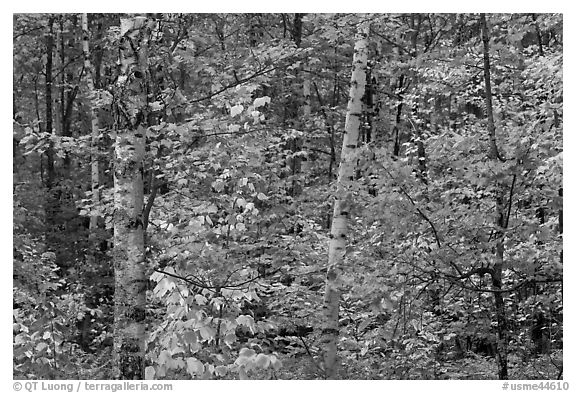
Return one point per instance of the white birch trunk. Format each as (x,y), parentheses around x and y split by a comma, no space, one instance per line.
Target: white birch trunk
(129,251)
(342,204)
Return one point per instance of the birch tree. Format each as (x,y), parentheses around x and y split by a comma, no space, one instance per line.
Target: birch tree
(342,204)
(129,252)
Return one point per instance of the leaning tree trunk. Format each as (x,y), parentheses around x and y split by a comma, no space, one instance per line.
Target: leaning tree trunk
(342,205)
(129,252)
(502,325)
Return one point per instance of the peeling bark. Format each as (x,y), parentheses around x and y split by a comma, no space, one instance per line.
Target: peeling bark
(129,249)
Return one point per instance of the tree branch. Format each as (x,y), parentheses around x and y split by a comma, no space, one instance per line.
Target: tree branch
(510,202)
(479,271)
(420,212)
(511,289)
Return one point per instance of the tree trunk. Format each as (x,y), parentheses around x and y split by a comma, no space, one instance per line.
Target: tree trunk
(538,35)
(307,109)
(488,89)
(371,101)
(502,325)
(67,95)
(296,143)
(342,205)
(50,175)
(398,117)
(95,132)
(129,251)
(52,202)
(59,65)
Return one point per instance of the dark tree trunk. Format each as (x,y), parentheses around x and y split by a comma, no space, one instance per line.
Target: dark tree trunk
(499,304)
(488,89)
(52,199)
(50,175)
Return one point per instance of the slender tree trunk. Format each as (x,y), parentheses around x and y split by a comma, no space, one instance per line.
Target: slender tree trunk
(95,131)
(330,131)
(502,323)
(59,65)
(342,205)
(398,117)
(50,180)
(538,35)
(98,54)
(421,172)
(307,109)
(335,90)
(50,175)
(71,93)
(297,31)
(499,304)
(296,143)
(488,89)
(129,252)
(370,107)
(66,96)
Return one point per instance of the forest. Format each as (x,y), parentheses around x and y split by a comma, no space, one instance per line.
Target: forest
(287,196)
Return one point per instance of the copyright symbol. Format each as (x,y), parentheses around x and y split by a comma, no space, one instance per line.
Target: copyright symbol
(17,386)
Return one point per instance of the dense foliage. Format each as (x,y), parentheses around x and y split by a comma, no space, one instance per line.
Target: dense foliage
(245,119)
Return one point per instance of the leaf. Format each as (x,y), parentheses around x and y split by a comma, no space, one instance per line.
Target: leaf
(247,352)
(194,366)
(247,321)
(164,357)
(149,372)
(236,110)
(261,101)
(200,300)
(155,106)
(230,339)
(262,360)
(276,363)
(190,337)
(207,333)
(242,373)
(364,324)
(221,371)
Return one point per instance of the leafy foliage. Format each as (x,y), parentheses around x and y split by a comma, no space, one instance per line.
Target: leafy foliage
(239,184)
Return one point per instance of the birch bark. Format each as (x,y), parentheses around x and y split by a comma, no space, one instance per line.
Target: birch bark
(129,251)
(342,204)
